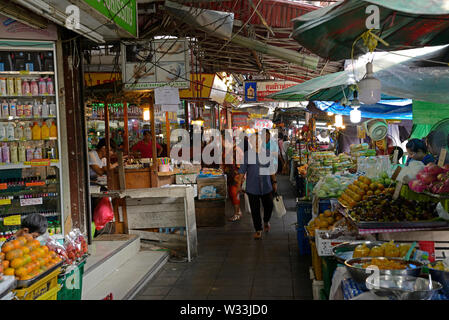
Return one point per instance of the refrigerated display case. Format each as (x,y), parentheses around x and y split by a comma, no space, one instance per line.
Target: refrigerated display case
(30,171)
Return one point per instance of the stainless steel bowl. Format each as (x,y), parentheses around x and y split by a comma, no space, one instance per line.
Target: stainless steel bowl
(344,251)
(442,277)
(403,287)
(359,274)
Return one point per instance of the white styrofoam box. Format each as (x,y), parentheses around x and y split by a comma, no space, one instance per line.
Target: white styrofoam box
(186,178)
(324,246)
(317,285)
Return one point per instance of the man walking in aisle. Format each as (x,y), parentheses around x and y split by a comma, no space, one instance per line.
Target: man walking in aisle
(261,184)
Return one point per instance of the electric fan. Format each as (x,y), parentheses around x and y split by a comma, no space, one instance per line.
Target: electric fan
(376,129)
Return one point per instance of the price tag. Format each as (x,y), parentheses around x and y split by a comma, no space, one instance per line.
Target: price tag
(395,156)
(24,72)
(12,221)
(397,191)
(4,202)
(40,163)
(35,184)
(442,157)
(30,202)
(3,186)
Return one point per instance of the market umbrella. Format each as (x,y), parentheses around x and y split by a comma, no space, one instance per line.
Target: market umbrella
(331,31)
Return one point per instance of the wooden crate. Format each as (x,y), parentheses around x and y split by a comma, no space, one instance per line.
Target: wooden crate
(210,213)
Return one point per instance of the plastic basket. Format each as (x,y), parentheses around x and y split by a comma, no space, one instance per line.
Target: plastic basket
(52,294)
(72,283)
(303,242)
(303,213)
(40,289)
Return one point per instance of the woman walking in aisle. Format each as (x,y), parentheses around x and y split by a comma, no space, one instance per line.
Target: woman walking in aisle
(260,185)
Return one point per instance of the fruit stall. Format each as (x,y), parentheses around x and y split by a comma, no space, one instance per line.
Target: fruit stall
(31,270)
(396,221)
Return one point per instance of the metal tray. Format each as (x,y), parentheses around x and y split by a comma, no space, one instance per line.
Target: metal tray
(26,283)
(398,225)
(344,251)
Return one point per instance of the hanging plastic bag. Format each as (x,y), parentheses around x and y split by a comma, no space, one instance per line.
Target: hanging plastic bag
(103,213)
(247,206)
(278,207)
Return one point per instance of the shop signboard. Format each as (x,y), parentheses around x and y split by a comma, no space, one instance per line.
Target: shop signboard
(240,119)
(200,86)
(13,29)
(250,91)
(265,88)
(122,12)
(260,124)
(151,64)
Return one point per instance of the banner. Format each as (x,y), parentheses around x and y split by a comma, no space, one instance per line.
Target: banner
(257,91)
(13,29)
(200,86)
(97,78)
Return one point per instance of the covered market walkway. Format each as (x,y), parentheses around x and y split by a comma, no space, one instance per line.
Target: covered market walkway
(232,265)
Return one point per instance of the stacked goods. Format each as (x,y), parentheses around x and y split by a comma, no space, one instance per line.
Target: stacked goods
(26,258)
(327,163)
(333,186)
(388,249)
(74,248)
(384,209)
(360,150)
(432,178)
(324,221)
(362,189)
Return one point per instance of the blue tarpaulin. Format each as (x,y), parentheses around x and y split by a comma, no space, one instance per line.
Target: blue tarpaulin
(385,109)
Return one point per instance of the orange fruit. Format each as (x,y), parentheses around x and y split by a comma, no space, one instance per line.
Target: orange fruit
(53,254)
(35,243)
(25,250)
(34,273)
(26,277)
(41,261)
(11,255)
(47,259)
(2,256)
(17,263)
(16,243)
(7,247)
(5,264)
(34,255)
(26,259)
(9,272)
(22,240)
(45,248)
(28,237)
(20,272)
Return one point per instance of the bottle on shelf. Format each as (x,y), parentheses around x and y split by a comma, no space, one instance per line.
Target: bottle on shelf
(53,130)
(26,89)
(18,86)
(2,86)
(45,131)
(34,87)
(22,153)
(45,109)
(10,132)
(19,109)
(12,108)
(29,154)
(42,86)
(37,132)
(5,109)
(13,153)
(28,110)
(5,153)
(37,153)
(2,131)
(10,86)
(28,132)
(50,86)
(18,132)
(52,109)
(37,109)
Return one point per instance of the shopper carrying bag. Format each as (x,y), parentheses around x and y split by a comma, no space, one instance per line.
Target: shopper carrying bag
(278,206)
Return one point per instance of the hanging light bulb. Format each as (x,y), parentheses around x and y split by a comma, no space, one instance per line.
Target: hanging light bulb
(146,114)
(355,115)
(369,87)
(338,120)
(330,114)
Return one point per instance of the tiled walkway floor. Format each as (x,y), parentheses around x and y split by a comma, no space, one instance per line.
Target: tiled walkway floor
(232,265)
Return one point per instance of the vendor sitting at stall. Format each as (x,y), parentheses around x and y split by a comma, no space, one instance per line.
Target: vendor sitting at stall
(417,151)
(97,166)
(145,146)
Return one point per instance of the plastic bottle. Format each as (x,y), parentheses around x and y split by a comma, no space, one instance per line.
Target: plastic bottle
(50,86)
(45,131)
(52,109)
(28,133)
(19,110)
(37,153)
(42,86)
(5,153)
(37,132)
(26,90)
(34,87)
(2,131)
(13,153)
(53,130)
(10,132)
(18,132)
(22,153)
(37,109)
(29,154)
(5,109)
(28,110)
(12,108)
(45,109)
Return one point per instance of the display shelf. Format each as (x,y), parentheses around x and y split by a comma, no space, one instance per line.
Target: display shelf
(26,119)
(27,96)
(47,215)
(26,165)
(27,73)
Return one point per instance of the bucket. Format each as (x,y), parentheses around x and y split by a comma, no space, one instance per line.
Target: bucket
(164,168)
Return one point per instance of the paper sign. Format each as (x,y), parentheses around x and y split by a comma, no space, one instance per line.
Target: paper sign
(4,202)
(30,202)
(3,186)
(397,191)
(442,157)
(12,221)
(167,96)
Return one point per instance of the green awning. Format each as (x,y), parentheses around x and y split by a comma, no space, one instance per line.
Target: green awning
(405,24)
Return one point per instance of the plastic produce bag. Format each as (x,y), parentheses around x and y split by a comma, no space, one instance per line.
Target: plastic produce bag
(278,207)
(103,213)
(55,246)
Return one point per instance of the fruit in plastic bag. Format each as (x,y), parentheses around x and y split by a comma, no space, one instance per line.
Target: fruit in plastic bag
(59,249)
(361,251)
(391,250)
(377,251)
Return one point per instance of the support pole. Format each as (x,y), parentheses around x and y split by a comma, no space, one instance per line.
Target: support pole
(125,128)
(167,125)
(154,167)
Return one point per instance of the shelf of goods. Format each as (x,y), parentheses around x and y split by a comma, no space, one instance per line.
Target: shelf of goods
(29,130)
